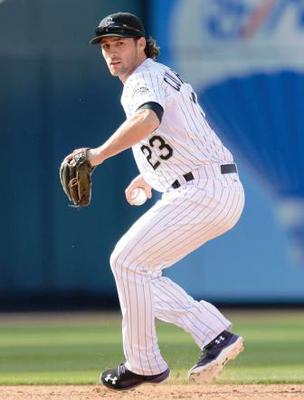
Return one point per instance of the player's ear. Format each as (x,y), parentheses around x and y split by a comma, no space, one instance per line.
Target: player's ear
(141,43)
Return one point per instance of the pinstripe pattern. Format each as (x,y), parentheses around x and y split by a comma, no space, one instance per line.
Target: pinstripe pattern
(184,126)
(176,225)
(183,220)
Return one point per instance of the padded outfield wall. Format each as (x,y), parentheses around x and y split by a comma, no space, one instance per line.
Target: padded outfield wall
(244,59)
(56,94)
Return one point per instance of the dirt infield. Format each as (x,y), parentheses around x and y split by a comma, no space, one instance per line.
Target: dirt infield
(153,392)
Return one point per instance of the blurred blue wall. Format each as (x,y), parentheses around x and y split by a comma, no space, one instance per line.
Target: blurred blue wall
(56,95)
(203,40)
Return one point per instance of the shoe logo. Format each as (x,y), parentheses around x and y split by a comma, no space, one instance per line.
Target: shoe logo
(109,378)
(219,340)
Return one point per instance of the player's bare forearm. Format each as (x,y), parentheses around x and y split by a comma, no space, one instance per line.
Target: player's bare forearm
(134,129)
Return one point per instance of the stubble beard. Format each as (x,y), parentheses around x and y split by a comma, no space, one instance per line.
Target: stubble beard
(121,71)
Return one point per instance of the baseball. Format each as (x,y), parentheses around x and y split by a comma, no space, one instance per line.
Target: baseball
(138,197)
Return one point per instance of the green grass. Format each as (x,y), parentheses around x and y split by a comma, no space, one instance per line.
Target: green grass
(55,351)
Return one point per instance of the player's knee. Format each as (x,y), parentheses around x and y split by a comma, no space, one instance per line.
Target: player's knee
(121,260)
(118,259)
(114,258)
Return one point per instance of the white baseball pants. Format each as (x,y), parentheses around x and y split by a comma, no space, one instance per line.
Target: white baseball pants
(184,219)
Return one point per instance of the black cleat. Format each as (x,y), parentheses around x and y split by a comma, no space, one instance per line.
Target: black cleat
(121,378)
(225,347)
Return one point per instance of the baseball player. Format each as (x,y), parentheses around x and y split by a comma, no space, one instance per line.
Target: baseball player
(178,154)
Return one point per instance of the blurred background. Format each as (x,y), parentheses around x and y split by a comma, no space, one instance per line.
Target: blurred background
(245,59)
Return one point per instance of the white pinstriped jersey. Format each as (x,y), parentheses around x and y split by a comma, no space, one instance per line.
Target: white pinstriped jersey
(179,223)
(184,141)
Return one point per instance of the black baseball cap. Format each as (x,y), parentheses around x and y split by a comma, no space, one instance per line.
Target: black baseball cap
(121,24)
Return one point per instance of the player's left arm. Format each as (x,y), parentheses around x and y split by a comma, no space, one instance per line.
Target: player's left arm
(143,122)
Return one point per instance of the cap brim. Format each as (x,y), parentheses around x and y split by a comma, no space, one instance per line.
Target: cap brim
(97,39)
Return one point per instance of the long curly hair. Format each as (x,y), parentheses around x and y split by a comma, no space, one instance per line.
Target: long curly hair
(151,49)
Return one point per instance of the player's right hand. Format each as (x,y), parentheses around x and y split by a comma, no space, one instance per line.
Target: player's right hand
(138,182)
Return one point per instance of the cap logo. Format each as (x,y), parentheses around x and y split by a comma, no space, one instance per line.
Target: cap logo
(109,21)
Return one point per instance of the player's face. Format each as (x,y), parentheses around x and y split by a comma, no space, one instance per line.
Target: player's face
(123,55)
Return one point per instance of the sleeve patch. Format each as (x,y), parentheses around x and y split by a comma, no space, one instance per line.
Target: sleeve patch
(141,90)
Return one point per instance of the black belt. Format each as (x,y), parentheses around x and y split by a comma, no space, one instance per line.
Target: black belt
(225,169)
